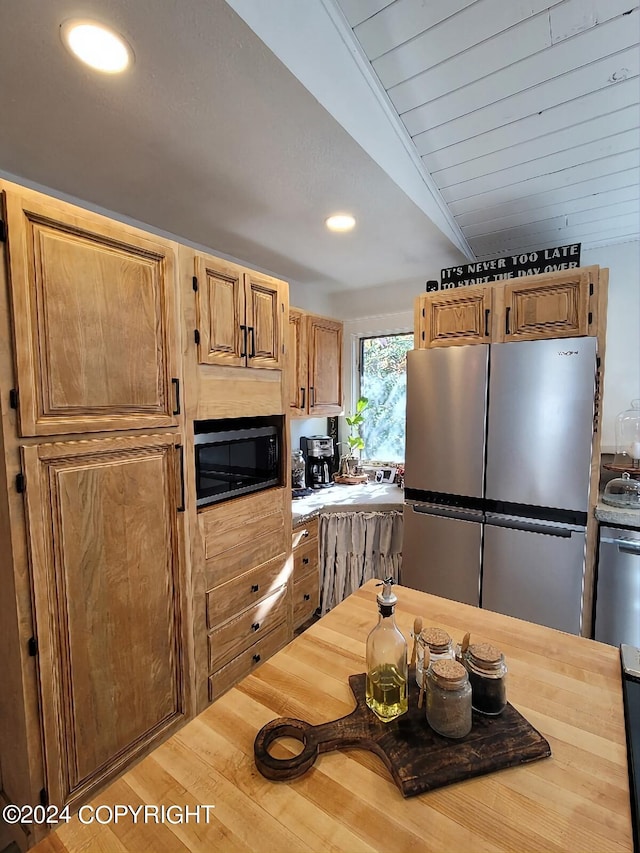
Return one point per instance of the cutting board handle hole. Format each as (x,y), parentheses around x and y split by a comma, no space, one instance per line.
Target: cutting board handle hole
(285,747)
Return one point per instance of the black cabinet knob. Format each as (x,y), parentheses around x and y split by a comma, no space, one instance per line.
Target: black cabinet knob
(255,626)
(305,560)
(307,597)
(254,587)
(256,658)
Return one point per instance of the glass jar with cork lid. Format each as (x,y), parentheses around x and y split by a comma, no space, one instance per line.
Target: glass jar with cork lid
(487,674)
(439,644)
(448,698)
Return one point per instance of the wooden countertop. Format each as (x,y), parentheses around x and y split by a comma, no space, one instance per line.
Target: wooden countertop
(567,687)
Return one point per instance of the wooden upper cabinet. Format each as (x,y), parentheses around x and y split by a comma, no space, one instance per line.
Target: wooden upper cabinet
(103,539)
(325,366)
(266,311)
(552,306)
(240,315)
(315,365)
(450,317)
(220,312)
(298,366)
(94,320)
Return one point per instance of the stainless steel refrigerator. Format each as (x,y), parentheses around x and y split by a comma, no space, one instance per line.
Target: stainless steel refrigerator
(497,473)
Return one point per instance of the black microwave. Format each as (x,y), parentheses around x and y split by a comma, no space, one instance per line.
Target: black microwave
(236,456)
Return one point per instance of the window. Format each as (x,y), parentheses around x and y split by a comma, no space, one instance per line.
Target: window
(383,380)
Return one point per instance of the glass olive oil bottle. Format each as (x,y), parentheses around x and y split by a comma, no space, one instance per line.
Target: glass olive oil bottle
(387,671)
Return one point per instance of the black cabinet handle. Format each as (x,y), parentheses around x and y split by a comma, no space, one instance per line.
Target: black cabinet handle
(254,587)
(305,534)
(176,384)
(180,508)
(243,329)
(252,331)
(487,311)
(256,658)
(304,397)
(307,597)
(312,397)
(305,560)
(507,327)
(255,626)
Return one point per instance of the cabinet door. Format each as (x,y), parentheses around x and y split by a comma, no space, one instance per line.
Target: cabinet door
(451,317)
(220,305)
(265,315)
(553,306)
(325,366)
(298,369)
(104,554)
(94,320)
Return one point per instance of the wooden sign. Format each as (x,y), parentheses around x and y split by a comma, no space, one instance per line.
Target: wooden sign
(510,266)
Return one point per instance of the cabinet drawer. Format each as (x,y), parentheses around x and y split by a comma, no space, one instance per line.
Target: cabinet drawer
(245,663)
(229,599)
(223,526)
(248,553)
(304,533)
(305,560)
(306,598)
(236,635)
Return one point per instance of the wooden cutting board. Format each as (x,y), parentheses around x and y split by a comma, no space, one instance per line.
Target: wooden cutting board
(419,759)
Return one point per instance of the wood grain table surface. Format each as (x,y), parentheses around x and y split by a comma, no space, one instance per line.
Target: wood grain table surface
(567,687)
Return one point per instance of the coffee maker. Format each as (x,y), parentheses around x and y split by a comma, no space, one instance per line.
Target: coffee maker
(318,451)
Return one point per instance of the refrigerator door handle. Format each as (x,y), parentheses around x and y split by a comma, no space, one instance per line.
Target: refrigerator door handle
(446,512)
(531,526)
(624,545)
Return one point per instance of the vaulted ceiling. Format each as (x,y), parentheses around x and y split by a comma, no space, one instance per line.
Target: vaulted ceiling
(525,114)
(451,130)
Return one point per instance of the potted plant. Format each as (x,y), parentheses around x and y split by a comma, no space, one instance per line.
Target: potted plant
(348,464)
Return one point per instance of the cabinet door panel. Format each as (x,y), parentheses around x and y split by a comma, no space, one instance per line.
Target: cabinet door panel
(105,560)
(298,379)
(553,306)
(325,366)
(265,321)
(94,321)
(455,317)
(220,301)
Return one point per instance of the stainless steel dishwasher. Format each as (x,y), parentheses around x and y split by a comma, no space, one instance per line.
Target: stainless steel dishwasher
(617,613)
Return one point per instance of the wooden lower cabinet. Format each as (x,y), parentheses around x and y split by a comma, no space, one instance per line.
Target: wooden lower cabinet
(306,573)
(105,557)
(247,574)
(242,665)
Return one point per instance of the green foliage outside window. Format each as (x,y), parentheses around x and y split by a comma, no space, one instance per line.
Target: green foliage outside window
(383,381)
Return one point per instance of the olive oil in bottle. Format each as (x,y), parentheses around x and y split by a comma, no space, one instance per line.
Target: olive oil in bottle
(387,673)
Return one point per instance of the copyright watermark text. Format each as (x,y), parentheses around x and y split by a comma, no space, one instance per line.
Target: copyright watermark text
(104,814)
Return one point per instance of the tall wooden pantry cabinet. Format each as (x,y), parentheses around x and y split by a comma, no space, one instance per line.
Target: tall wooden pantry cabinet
(92,615)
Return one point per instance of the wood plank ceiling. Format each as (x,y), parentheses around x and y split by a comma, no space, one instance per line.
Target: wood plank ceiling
(524,112)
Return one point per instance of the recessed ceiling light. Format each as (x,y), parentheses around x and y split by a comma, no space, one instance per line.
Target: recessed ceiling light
(96,45)
(340,222)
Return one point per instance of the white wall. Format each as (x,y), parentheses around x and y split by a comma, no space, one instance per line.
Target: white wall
(309,298)
(382,310)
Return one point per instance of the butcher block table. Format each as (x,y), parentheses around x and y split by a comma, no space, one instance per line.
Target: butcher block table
(568,688)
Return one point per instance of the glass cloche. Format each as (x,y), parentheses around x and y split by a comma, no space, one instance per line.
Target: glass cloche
(622,492)
(628,439)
